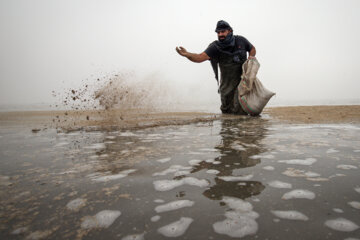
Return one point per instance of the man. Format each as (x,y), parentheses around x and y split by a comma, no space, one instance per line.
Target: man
(229,52)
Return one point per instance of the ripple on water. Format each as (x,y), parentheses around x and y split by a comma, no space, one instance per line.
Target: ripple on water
(174,205)
(298,193)
(341,224)
(279,184)
(102,219)
(177,228)
(290,215)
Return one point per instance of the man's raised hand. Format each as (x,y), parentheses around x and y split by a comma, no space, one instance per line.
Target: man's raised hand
(182,51)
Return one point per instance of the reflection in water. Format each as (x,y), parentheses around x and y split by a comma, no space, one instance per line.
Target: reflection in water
(238,143)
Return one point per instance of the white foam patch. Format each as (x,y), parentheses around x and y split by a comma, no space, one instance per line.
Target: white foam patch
(357,150)
(269,168)
(102,219)
(172,169)
(212,171)
(96,146)
(307,161)
(134,237)
(127,134)
(338,210)
(76,204)
(177,228)
(61,144)
(291,172)
(332,150)
(194,162)
(354,204)
(299,193)
(166,185)
(107,178)
(174,206)
(346,167)
(341,224)
(357,189)
(208,150)
(181,173)
(216,162)
(236,178)
(290,215)
(279,184)
(269,156)
(164,160)
(209,160)
(240,222)
(237,147)
(155,218)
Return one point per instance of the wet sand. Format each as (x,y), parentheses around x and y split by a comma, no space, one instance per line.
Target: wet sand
(131,119)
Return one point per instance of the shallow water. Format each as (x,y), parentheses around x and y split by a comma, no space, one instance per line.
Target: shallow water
(248,178)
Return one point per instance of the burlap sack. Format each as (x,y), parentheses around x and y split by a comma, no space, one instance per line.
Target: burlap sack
(253,96)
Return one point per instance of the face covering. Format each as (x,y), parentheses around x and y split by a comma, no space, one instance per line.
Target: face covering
(227,42)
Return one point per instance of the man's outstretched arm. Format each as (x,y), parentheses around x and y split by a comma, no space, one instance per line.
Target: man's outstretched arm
(198,58)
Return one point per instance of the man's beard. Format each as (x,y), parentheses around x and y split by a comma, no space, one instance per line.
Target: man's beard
(222,38)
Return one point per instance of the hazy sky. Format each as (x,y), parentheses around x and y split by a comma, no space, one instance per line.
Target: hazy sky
(307,49)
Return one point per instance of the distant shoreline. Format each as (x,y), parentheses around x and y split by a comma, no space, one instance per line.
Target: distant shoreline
(142,118)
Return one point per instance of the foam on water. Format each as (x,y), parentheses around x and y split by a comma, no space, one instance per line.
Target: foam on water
(346,167)
(172,169)
(290,215)
(269,168)
(127,134)
(332,150)
(166,185)
(236,178)
(354,204)
(269,156)
(177,228)
(159,201)
(237,147)
(102,219)
(341,224)
(308,161)
(240,222)
(291,172)
(155,218)
(216,162)
(107,178)
(76,204)
(19,230)
(212,171)
(174,205)
(357,189)
(97,146)
(298,193)
(338,210)
(210,160)
(134,237)
(194,162)
(208,150)
(164,160)
(279,184)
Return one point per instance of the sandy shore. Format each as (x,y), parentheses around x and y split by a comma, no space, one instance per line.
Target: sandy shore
(116,119)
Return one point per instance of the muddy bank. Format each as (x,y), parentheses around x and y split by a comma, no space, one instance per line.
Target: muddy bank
(316,114)
(142,118)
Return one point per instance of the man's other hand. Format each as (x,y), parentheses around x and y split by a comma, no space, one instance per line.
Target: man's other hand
(182,51)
